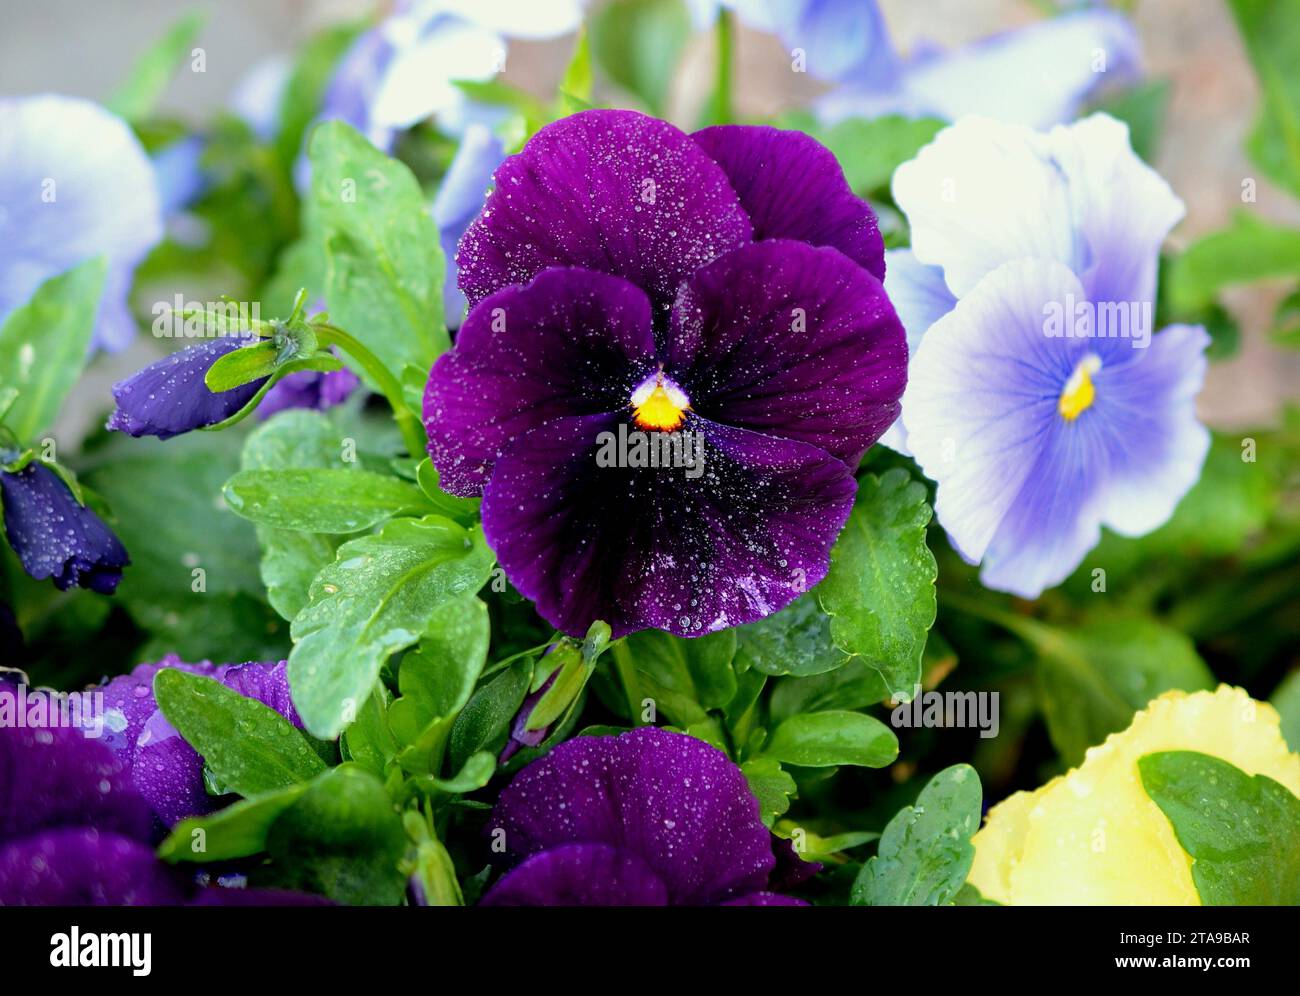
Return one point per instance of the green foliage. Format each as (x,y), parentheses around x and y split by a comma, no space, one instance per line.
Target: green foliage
(925,852)
(638,44)
(1242,831)
(43,346)
(833,737)
(384,265)
(1272,36)
(879,591)
(138,96)
(374,600)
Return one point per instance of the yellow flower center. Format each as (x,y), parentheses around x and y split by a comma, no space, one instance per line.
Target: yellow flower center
(659,404)
(1078,394)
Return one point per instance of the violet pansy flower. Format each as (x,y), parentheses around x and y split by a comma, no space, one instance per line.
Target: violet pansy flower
(646,818)
(1040,398)
(625,277)
(74,183)
(163,767)
(318,389)
(57,537)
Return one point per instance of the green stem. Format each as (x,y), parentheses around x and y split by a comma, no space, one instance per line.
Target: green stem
(720,111)
(412,432)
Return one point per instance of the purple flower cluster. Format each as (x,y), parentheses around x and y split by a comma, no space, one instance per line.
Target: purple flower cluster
(79,816)
(625,277)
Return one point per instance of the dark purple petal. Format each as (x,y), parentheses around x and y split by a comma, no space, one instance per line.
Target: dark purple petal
(650,547)
(793,341)
(572,342)
(792,186)
(267,683)
(84,867)
(57,537)
(672,800)
(764,899)
(614,191)
(56,777)
(129,702)
(791,870)
(580,875)
(169,397)
(169,772)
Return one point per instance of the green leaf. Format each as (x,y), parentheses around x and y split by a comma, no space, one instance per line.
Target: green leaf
(436,680)
(1272,36)
(825,739)
(242,366)
(771,785)
(321,500)
(292,559)
(1286,700)
(1094,678)
(234,832)
(853,686)
(342,839)
(374,600)
(1242,831)
(869,150)
(575,87)
(485,721)
(796,640)
(879,591)
(249,747)
(305,88)
(1249,249)
(44,344)
(1143,109)
(138,96)
(638,44)
(460,509)
(685,678)
(925,852)
(368,741)
(384,262)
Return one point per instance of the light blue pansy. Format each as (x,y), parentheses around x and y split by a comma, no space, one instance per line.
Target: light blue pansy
(74,183)
(459,199)
(1039,400)
(1039,75)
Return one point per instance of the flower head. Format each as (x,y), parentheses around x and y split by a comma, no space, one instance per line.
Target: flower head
(1039,399)
(56,536)
(169,397)
(646,818)
(631,285)
(1038,848)
(164,769)
(74,183)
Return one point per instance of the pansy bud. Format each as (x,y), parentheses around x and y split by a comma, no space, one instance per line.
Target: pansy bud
(55,536)
(169,397)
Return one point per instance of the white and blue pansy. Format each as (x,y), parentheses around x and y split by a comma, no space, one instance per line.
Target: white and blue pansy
(75,183)
(1040,399)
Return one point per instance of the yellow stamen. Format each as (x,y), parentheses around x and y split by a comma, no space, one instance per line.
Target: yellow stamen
(659,405)
(1078,394)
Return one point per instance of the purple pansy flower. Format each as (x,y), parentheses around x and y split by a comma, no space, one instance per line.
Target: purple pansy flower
(164,769)
(646,818)
(75,830)
(1039,399)
(627,277)
(74,183)
(57,537)
(169,397)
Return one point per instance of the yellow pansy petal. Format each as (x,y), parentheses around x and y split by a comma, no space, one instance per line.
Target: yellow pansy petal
(1094,837)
